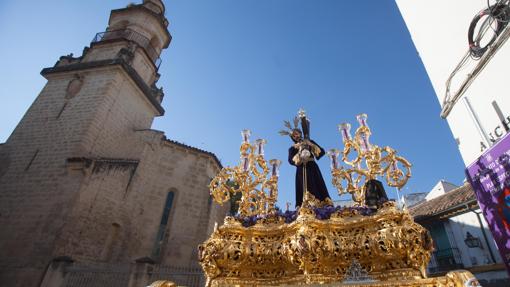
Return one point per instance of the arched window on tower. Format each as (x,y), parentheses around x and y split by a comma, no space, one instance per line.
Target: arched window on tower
(160,236)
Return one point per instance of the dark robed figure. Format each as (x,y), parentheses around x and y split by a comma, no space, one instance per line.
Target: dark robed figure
(303,155)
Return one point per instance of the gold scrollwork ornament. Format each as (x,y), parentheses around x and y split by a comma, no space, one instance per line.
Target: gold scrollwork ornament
(370,162)
(251,178)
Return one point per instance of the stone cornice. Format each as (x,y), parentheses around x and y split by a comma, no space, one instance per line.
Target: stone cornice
(105,63)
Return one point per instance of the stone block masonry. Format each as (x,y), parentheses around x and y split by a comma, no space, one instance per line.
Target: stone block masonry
(84,176)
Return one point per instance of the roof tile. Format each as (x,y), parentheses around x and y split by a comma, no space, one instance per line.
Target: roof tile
(458,196)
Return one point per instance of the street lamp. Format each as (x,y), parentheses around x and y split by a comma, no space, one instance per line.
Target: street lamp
(471,241)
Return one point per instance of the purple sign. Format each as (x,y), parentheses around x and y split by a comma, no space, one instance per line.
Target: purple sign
(489,176)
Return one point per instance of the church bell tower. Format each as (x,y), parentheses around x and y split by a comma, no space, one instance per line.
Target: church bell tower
(93,106)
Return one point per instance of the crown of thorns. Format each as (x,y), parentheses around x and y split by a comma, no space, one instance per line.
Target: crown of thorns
(289,127)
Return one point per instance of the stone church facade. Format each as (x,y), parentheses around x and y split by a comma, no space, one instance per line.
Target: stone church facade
(83,175)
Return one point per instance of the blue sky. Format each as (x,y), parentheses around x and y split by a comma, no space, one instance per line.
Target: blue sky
(252,64)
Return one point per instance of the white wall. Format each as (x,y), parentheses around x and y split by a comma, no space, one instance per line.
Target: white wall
(439,189)
(457,228)
(439,32)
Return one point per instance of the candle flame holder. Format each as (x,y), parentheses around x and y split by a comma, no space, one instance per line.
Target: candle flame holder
(370,162)
(252,178)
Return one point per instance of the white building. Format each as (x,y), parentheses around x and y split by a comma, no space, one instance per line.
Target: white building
(472,89)
(481,114)
(462,239)
(440,188)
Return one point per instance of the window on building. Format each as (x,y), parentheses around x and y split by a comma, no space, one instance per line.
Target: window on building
(160,236)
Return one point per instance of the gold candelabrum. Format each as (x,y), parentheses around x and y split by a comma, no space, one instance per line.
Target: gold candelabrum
(370,162)
(252,178)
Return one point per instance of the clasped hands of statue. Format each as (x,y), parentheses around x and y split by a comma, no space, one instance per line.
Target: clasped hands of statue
(307,151)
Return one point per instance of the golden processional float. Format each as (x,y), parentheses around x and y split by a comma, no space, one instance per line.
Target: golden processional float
(373,243)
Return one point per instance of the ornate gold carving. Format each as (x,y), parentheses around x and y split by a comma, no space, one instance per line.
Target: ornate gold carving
(459,278)
(163,284)
(250,178)
(370,162)
(389,245)
(385,245)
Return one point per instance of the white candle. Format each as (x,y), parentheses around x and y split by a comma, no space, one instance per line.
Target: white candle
(365,144)
(345,130)
(362,119)
(333,155)
(246,164)
(260,146)
(275,164)
(246,135)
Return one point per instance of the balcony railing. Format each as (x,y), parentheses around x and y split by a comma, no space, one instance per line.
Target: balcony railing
(130,35)
(445,260)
